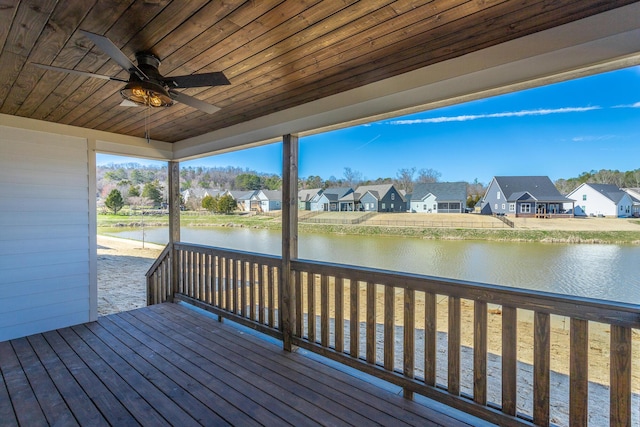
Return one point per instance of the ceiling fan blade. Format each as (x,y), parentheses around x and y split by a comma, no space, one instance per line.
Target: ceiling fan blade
(193,102)
(81,73)
(116,54)
(197,80)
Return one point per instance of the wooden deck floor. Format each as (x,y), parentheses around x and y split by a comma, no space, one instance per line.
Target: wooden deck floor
(170,365)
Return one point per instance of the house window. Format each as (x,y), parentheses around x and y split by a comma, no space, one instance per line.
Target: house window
(584,197)
(424,207)
(384,206)
(512,207)
(393,197)
(504,206)
(495,206)
(435,207)
(525,208)
(498,196)
(392,205)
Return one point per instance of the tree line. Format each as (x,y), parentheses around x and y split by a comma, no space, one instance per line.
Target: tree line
(146,185)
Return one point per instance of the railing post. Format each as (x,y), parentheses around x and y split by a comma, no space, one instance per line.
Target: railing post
(289,236)
(174,221)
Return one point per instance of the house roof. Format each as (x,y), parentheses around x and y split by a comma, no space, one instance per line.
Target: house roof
(294,67)
(378,191)
(441,190)
(272,194)
(308,194)
(337,193)
(634,193)
(610,191)
(539,188)
(241,194)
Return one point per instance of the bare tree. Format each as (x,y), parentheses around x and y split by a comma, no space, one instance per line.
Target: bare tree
(404,179)
(428,175)
(352,177)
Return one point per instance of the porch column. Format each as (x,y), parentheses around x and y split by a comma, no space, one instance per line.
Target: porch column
(289,235)
(174,218)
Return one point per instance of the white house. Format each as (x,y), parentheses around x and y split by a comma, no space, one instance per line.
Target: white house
(439,197)
(601,200)
(635,198)
(266,200)
(242,198)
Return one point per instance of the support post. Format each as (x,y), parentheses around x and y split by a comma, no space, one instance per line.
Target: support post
(289,236)
(174,219)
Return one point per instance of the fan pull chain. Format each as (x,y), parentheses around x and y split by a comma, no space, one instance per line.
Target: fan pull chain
(147,116)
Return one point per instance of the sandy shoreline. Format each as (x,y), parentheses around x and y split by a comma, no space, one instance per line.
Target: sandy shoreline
(122,265)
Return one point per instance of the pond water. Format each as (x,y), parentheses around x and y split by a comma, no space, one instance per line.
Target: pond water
(610,272)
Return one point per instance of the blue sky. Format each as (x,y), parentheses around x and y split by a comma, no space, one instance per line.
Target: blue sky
(559,130)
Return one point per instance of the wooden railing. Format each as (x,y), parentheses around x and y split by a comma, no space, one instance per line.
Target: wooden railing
(359,316)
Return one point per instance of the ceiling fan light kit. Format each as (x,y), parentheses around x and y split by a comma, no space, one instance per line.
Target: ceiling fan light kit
(146,93)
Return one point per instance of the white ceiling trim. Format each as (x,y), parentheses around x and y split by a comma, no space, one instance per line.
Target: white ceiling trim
(599,43)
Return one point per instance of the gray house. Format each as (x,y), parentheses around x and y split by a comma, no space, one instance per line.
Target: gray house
(525,196)
(306,196)
(439,197)
(379,198)
(333,199)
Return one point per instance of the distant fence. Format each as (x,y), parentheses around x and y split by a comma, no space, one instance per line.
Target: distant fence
(438,224)
(505,220)
(343,221)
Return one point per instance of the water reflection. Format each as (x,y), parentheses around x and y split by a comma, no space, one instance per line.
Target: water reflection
(597,271)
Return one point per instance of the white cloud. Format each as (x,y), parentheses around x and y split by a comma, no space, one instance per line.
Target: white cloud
(523,113)
(589,138)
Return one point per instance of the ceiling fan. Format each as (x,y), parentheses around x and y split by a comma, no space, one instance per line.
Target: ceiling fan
(146,86)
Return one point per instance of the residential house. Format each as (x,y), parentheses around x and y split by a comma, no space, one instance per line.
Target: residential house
(266,201)
(198,193)
(525,196)
(242,198)
(601,200)
(379,198)
(439,197)
(305,196)
(333,199)
(635,198)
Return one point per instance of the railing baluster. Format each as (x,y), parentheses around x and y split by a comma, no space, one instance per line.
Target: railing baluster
(430,339)
(541,367)
(620,406)
(243,288)
(261,285)
(228,285)
(453,371)
(579,373)
(271,271)
(236,286)
(339,318)
(311,306)
(480,353)
(299,329)
(209,278)
(509,359)
(252,290)
(408,367)
(324,310)
(389,327)
(371,323)
(354,323)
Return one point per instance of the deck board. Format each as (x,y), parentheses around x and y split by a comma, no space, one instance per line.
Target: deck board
(171,365)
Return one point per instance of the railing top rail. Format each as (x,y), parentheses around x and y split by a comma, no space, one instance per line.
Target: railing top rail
(611,312)
(165,253)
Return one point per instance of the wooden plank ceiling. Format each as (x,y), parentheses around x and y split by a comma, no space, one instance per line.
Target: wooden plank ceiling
(277,53)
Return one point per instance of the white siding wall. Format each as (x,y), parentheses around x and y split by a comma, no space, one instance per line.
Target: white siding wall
(45,232)
(425,205)
(596,203)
